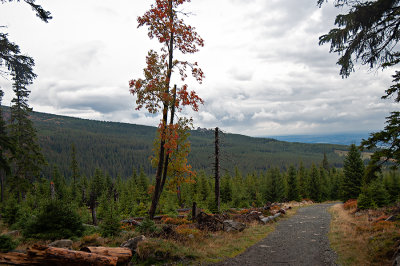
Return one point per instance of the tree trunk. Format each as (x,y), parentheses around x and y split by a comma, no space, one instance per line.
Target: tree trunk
(124,255)
(43,255)
(159,173)
(94,215)
(217,186)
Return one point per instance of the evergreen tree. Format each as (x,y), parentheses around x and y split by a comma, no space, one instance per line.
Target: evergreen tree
(28,160)
(75,171)
(315,184)
(5,147)
(226,189)
(303,182)
(353,168)
(325,163)
(293,185)
(276,191)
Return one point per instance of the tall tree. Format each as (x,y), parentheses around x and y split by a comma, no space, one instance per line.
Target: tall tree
(153,92)
(5,147)
(353,168)
(28,159)
(74,170)
(315,184)
(369,33)
(293,185)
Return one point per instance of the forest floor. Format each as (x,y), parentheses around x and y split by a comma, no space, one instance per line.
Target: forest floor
(299,240)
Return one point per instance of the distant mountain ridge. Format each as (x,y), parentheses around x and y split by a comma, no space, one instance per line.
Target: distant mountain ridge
(117,148)
(338,138)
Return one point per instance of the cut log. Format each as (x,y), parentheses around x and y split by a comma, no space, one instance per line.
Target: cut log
(43,255)
(124,255)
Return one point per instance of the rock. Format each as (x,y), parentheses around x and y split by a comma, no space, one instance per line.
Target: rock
(63,243)
(230,225)
(282,211)
(266,219)
(358,214)
(191,236)
(133,243)
(12,233)
(131,222)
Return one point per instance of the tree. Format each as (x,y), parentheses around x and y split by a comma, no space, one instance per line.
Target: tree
(325,163)
(153,92)
(315,184)
(75,171)
(20,67)
(5,147)
(293,185)
(353,168)
(369,33)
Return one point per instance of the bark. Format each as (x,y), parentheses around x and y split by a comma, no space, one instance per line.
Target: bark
(2,185)
(157,189)
(124,255)
(42,255)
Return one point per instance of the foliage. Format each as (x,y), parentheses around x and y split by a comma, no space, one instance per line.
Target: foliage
(56,220)
(110,225)
(6,243)
(293,185)
(369,33)
(353,169)
(147,226)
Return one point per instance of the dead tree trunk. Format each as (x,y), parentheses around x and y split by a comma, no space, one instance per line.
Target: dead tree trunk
(124,255)
(217,186)
(2,185)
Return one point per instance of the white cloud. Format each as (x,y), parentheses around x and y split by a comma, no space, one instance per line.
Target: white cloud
(265,72)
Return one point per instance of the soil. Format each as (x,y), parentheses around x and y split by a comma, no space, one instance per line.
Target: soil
(299,240)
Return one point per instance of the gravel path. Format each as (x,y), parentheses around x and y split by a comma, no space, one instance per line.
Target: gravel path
(299,240)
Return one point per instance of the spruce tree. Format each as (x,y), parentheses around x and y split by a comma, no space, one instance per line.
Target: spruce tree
(28,159)
(315,184)
(293,185)
(276,191)
(5,147)
(75,171)
(303,182)
(353,168)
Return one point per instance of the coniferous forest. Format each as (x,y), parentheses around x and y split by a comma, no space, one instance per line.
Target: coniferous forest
(101,183)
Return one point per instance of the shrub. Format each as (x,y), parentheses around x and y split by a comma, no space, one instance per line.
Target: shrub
(6,243)
(175,221)
(56,220)
(147,227)
(365,201)
(111,225)
(350,204)
(11,212)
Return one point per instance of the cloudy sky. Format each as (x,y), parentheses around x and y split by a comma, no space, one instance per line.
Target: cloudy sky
(265,72)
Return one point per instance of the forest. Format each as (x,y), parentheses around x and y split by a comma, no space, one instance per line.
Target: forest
(64,177)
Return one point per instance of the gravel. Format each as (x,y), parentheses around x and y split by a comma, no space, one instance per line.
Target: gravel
(299,240)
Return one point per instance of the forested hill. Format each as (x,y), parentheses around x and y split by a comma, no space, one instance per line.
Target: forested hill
(117,148)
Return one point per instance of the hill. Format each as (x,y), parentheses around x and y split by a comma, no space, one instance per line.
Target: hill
(340,138)
(117,148)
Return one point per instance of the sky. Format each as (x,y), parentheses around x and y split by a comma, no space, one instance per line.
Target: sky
(265,73)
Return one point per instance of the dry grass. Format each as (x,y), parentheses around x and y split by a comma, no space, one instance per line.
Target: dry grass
(203,247)
(362,240)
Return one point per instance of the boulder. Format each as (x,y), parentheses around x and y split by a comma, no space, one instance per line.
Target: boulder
(133,243)
(63,243)
(266,219)
(230,225)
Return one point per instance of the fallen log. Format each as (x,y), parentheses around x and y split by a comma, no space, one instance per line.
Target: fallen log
(43,255)
(124,255)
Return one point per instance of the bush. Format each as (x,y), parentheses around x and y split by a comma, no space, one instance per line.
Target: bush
(11,212)
(6,243)
(365,201)
(147,227)
(56,220)
(111,225)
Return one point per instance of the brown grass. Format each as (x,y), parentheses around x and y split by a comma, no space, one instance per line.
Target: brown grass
(362,240)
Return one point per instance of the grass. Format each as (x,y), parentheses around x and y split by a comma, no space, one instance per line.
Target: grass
(204,247)
(361,240)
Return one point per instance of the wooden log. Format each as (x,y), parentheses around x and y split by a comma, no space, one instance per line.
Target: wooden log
(43,255)
(124,255)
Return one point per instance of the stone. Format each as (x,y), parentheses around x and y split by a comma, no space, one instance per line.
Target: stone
(282,211)
(230,225)
(133,243)
(266,219)
(63,243)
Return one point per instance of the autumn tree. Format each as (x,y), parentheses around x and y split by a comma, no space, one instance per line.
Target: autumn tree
(153,92)
(369,33)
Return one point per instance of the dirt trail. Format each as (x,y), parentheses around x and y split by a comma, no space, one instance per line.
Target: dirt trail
(299,240)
